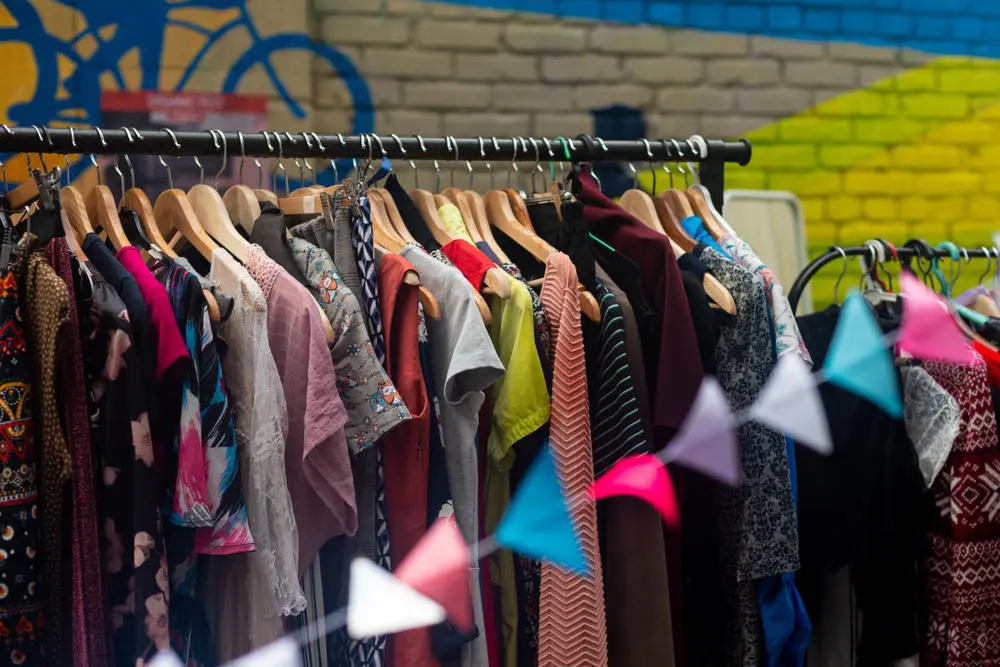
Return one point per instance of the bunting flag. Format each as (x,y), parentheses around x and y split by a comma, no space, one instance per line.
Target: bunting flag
(790,404)
(538,523)
(858,360)
(929,330)
(645,477)
(281,653)
(379,603)
(438,567)
(165,659)
(706,441)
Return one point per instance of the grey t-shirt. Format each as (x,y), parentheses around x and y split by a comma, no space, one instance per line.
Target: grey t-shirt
(465,365)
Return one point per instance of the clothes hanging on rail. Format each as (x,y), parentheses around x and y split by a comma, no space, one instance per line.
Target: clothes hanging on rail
(235,464)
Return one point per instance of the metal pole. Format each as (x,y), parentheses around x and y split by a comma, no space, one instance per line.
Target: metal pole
(160,142)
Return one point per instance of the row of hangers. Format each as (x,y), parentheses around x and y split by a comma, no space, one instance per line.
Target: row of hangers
(663,213)
(878,290)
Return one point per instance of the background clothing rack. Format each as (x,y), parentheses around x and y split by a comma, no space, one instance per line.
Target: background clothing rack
(905,254)
(712,155)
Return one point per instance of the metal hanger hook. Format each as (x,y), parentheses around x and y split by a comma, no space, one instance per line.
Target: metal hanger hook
(843,272)
(170,176)
(243,153)
(423,147)
(989,264)
(402,150)
(695,173)
(537,167)
(41,139)
(121,176)
(513,163)
(649,154)
(225,158)
(666,158)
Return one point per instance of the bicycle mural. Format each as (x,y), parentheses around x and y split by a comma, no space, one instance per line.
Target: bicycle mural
(60,56)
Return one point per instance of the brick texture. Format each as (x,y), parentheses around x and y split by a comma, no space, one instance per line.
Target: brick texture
(851,109)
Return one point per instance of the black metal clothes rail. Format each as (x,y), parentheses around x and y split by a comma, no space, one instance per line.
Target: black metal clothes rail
(905,254)
(712,155)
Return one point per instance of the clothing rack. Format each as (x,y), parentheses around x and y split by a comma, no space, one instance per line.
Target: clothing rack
(905,254)
(711,155)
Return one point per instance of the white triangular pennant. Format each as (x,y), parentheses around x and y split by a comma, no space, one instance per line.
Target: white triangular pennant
(165,659)
(379,603)
(706,441)
(790,404)
(282,653)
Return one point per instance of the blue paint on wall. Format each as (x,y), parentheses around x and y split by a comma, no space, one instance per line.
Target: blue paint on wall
(945,27)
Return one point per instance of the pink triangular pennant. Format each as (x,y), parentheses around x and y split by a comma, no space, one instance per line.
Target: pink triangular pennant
(438,567)
(643,476)
(791,404)
(929,330)
(706,441)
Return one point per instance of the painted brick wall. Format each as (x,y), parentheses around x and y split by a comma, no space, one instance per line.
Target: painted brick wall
(849,103)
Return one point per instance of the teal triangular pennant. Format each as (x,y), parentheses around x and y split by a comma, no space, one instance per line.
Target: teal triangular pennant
(538,523)
(858,359)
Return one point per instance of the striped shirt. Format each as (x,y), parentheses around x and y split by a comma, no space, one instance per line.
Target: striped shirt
(616,428)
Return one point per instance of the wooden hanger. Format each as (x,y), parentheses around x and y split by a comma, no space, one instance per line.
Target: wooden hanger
(392,212)
(500,215)
(214,218)
(480,226)
(23,194)
(76,212)
(647,214)
(242,205)
(386,237)
(137,200)
(173,211)
(102,210)
(519,208)
(696,196)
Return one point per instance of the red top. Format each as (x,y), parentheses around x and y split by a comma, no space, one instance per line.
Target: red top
(468,259)
(992,362)
(405,456)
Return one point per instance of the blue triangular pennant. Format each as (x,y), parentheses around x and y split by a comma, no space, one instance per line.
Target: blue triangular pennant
(858,359)
(538,523)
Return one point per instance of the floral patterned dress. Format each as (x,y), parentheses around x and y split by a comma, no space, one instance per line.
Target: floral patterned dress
(136,583)
(20,590)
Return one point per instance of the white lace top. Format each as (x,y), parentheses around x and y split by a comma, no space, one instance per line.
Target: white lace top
(261,429)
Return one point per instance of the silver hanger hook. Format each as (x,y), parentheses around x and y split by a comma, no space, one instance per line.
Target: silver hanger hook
(173,137)
(135,131)
(666,158)
(989,264)
(201,170)
(482,156)
(128,161)
(513,163)
(635,175)
(243,153)
(225,158)
(649,154)
(593,173)
(296,161)
(121,176)
(538,167)
(322,148)
(402,150)
(72,142)
(452,146)
(420,142)
(93,161)
(843,272)
(170,177)
(280,165)
(41,157)
(695,173)
(305,159)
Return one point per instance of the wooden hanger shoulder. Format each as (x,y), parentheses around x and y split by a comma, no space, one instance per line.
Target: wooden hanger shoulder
(214,218)
(23,194)
(392,212)
(266,195)
(101,209)
(670,215)
(701,208)
(424,201)
(482,225)
(519,208)
(137,200)
(500,215)
(640,205)
(76,212)
(173,211)
(385,235)
(243,206)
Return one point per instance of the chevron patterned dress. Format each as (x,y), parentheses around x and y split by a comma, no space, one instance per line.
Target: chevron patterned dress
(572,623)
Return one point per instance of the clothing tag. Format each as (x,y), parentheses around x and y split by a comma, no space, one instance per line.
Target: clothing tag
(155,252)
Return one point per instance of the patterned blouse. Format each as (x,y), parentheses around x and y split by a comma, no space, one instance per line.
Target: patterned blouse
(230,531)
(786,329)
(135,563)
(373,405)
